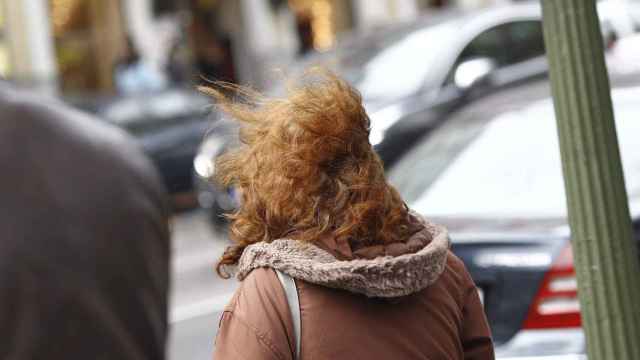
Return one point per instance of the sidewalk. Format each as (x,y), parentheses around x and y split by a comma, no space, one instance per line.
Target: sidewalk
(198,295)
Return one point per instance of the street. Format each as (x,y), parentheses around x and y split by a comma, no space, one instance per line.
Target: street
(198,295)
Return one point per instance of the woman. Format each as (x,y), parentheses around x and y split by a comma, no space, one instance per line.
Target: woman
(373,280)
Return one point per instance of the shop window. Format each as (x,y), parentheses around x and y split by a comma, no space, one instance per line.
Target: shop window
(427,4)
(88,41)
(211,43)
(71,31)
(320,21)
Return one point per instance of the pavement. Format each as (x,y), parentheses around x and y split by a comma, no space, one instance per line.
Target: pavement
(198,295)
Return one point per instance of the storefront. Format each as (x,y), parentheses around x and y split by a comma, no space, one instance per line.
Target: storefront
(25,43)
(89,39)
(244,40)
(319,22)
(75,45)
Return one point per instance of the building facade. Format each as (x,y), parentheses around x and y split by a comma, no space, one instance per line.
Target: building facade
(27,44)
(73,46)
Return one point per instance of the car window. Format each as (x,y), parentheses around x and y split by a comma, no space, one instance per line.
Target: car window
(525,41)
(506,44)
(490,44)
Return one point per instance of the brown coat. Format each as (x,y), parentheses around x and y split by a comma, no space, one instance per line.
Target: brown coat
(358,309)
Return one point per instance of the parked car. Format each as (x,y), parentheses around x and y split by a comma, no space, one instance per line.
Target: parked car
(412,76)
(437,69)
(170,125)
(492,175)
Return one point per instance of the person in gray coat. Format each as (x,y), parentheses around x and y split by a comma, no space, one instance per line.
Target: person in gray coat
(84,238)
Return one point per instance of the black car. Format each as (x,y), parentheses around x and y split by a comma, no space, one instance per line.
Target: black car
(492,175)
(170,126)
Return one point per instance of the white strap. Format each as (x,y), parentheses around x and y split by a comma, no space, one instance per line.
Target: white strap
(289,286)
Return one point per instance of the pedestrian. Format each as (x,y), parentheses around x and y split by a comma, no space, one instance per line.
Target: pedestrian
(332,263)
(84,240)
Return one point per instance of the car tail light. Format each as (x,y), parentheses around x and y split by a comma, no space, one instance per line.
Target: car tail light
(556,304)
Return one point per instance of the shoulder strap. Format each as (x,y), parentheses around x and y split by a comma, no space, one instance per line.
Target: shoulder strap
(290,290)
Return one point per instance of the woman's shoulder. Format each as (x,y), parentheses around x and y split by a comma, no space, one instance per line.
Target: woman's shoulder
(261,275)
(457,276)
(263,282)
(258,318)
(260,299)
(455,264)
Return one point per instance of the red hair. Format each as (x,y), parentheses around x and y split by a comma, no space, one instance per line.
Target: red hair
(306,170)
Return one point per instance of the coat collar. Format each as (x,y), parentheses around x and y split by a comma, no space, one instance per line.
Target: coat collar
(385,276)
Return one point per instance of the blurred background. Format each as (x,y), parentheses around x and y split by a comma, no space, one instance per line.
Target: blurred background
(456,90)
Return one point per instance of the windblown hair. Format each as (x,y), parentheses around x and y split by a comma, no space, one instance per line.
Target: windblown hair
(306,169)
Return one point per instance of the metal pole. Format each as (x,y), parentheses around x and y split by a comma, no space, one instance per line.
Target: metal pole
(605,255)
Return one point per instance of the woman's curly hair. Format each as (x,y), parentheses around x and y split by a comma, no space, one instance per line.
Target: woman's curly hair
(305,169)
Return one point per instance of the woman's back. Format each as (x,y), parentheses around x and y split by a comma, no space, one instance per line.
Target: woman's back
(443,320)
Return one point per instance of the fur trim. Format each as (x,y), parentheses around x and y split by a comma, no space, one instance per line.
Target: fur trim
(384,276)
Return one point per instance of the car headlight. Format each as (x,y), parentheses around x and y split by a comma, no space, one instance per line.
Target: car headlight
(204,165)
(205,161)
(381,121)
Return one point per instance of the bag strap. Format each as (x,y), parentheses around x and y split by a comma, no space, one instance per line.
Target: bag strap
(290,290)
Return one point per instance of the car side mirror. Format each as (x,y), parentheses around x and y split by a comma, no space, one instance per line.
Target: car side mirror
(471,73)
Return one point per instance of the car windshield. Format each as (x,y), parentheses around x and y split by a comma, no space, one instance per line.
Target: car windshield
(397,70)
(389,64)
(505,166)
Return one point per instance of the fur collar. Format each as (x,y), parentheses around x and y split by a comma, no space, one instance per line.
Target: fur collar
(384,276)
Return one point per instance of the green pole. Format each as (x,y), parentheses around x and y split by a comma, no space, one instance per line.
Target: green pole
(606,258)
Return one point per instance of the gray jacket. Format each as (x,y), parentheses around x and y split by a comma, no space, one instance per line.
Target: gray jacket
(84,239)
